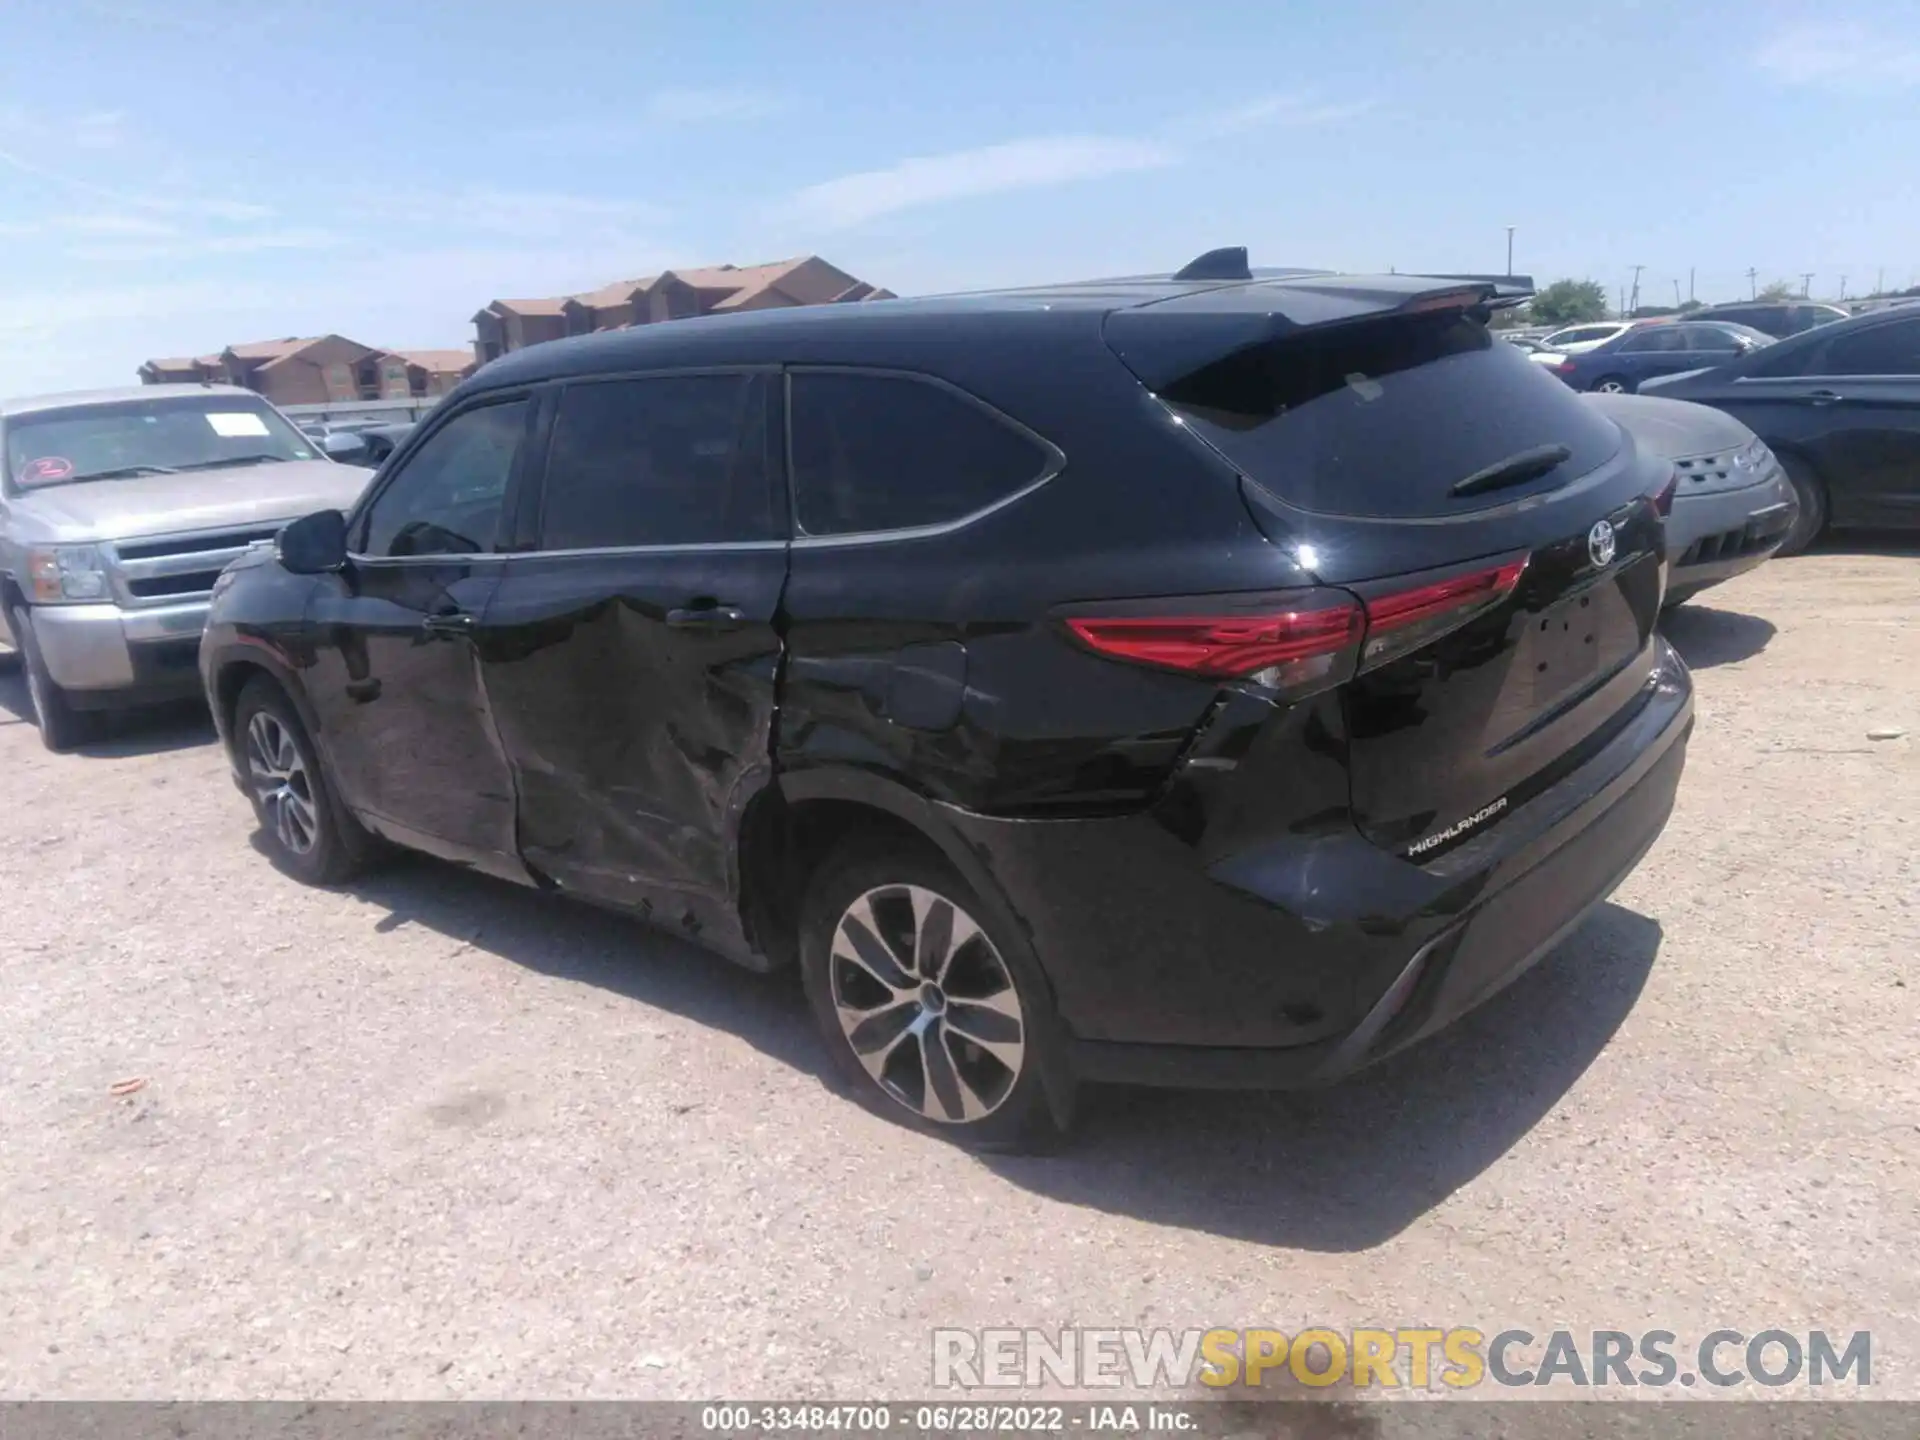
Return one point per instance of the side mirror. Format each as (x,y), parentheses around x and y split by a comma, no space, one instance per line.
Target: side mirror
(314,544)
(346,447)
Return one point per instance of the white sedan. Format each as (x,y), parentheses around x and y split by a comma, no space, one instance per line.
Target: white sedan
(1577,339)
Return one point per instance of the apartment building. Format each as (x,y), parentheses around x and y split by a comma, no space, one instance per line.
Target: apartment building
(506,325)
(317,370)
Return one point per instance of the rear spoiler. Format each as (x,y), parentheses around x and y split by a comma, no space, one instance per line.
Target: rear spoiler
(1166,340)
(1503,291)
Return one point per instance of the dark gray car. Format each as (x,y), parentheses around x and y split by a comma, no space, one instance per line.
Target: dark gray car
(1840,406)
(1732,503)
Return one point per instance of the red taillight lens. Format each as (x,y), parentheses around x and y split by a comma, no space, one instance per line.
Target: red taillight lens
(1223,646)
(1402,620)
(1565,367)
(1296,641)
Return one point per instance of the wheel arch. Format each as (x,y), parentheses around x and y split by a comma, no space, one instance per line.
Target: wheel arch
(228,676)
(791,827)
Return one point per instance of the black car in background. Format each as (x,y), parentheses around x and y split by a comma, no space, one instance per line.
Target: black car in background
(1621,365)
(1778,318)
(1840,407)
(1194,679)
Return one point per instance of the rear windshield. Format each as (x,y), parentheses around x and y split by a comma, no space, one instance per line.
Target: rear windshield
(147,437)
(1381,418)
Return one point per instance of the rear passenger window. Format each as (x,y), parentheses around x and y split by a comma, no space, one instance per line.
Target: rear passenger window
(888,452)
(669,460)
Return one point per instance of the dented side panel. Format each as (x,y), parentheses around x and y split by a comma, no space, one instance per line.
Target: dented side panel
(636,739)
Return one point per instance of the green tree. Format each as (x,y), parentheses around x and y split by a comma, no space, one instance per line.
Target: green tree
(1566,302)
(1778,290)
(1687,307)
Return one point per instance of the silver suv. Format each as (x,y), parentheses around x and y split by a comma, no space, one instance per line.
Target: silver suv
(118,508)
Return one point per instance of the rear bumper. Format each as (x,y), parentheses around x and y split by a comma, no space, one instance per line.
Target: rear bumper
(1378,954)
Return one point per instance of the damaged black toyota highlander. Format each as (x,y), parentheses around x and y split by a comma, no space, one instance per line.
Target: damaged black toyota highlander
(1209,679)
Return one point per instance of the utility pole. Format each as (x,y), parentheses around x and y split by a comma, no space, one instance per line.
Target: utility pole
(1806,284)
(1843,287)
(1622,311)
(1753,283)
(1509,249)
(1676,292)
(1689,282)
(1635,303)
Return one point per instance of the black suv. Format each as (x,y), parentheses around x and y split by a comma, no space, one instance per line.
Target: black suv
(1184,680)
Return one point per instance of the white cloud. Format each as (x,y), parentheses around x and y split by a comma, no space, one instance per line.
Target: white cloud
(1841,57)
(237,212)
(1290,111)
(702,106)
(993,169)
(141,226)
(189,247)
(101,130)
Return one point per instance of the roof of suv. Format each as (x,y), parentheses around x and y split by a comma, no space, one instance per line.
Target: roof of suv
(1707,311)
(1266,299)
(69,399)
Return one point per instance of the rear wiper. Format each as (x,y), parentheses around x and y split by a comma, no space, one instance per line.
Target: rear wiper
(1514,470)
(231,460)
(122,472)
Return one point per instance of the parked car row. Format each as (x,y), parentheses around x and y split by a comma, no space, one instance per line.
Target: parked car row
(1837,400)
(1211,678)
(1620,364)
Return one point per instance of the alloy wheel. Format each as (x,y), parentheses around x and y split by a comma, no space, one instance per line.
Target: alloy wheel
(281,783)
(1611,387)
(927,1004)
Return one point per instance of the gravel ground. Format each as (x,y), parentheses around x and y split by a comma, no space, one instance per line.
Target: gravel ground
(438,1137)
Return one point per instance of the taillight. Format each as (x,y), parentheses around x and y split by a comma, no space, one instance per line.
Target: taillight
(1297,641)
(1565,367)
(1401,620)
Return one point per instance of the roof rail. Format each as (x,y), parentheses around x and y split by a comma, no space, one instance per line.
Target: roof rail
(1229,262)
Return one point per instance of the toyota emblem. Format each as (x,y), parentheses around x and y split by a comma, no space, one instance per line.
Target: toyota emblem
(1600,544)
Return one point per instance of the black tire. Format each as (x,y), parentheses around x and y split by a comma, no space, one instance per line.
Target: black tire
(1024,1106)
(61,726)
(305,829)
(1812,496)
(1612,385)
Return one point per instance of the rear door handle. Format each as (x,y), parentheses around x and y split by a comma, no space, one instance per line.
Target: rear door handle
(706,617)
(1824,397)
(451,622)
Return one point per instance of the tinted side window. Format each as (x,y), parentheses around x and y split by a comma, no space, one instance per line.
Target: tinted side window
(1892,349)
(1787,358)
(1660,337)
(446,499)
(671,460)
(1708,337)
(885,452)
